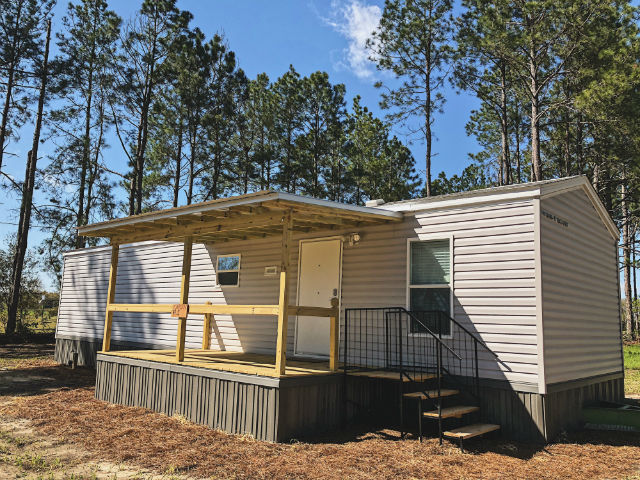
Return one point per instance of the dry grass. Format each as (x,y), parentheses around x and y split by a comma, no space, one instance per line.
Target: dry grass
(172,445)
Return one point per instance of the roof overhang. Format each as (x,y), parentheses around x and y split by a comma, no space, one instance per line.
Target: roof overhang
(506,194)
(243,217)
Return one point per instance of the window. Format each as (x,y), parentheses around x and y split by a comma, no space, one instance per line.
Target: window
(228,270)
(430,285)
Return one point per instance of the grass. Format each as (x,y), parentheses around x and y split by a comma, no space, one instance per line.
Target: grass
(34,321)
(632,369)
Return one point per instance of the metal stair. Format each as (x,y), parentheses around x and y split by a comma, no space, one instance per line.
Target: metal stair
(432,359)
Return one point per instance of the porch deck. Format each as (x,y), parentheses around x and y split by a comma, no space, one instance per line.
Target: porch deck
(236,362)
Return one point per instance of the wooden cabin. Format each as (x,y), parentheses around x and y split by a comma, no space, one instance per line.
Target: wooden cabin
(280,316)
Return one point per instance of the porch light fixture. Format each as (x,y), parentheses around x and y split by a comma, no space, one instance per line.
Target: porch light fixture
(353,239)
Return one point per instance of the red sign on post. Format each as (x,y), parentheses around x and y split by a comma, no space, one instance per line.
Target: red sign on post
(180,310)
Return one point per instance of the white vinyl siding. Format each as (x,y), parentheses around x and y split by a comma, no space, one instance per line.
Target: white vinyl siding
(493,281)
(579,290)
(493,284)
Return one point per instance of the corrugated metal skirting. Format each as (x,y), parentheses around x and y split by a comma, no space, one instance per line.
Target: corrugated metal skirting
(242,404)
(231,406)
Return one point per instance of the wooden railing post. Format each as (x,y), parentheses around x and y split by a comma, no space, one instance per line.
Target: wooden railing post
(334,331)
(184,296)
(283,300)
(206,330)
(111,296)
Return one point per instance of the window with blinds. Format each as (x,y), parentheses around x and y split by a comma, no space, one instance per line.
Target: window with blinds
(430,285)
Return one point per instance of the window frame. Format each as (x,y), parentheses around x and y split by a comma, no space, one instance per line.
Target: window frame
(218,257)
(429,238)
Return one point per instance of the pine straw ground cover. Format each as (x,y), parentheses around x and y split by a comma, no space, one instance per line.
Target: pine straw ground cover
(157,442)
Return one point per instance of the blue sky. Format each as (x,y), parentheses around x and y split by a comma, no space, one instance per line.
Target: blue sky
(268,36)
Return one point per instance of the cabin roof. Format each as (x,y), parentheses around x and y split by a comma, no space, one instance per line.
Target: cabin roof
(506,193)
(254,215)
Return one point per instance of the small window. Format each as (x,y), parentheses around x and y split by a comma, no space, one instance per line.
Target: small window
(430,285)
(228,270)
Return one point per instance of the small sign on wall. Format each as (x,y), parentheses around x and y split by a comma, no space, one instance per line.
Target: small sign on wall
(554,218)
(270,271)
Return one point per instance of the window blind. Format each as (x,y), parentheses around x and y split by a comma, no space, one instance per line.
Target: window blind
(430,262)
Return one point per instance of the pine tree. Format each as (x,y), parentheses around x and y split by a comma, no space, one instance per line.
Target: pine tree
(322,109)
(145,45)
(377,166)
(287,98)
(83,81)
(413,42)
(21,28)
(255,144)
(26,201)
(483,46)
(224,83)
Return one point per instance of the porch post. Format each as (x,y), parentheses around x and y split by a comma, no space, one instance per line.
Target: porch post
(184,296)
(283,301)
(206,330)
(111,296)
(334,330)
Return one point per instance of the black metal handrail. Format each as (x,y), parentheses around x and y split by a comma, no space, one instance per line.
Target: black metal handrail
(415,344)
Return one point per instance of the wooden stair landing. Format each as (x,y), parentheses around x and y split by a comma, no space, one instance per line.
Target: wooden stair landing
(470,431)
(451,412)
(389,375)
(444,392)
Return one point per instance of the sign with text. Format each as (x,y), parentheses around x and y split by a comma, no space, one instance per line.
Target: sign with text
(554,218)
(180,310)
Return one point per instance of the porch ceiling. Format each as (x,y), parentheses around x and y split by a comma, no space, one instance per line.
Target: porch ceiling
(256,215)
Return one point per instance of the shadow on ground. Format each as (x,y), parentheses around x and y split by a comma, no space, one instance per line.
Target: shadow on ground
(26,351)
(481,445)
(39,380)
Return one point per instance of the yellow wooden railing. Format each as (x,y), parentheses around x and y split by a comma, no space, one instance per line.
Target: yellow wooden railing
(182,309)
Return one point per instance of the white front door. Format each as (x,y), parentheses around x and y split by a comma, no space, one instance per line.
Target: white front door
(318,282)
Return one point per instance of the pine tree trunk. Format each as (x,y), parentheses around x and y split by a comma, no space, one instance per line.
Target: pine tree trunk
(567,152)
(635,284)
(86,144)
(536,167)
(176,179)
(505,166)
(626,258)
(95,168)
(517,139)
(26,204)
(579,159)
(10,85)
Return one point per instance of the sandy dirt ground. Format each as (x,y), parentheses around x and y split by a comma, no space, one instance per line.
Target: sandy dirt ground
(52,427)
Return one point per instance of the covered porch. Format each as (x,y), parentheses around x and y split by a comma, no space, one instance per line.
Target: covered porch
(234,362)
(253,216)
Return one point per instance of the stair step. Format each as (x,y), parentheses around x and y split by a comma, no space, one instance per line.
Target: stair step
(387,375)
(470,431)
(451,412)
(444,392)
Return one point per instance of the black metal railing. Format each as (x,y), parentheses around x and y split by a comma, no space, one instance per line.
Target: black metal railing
(418,345)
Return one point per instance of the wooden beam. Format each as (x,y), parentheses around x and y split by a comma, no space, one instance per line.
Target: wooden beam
(283,301)
(206,330)
(198,309)
(201,227)
(111,296)
(141,307)
(311,311)
(235,309)
(184,296)
(334,335)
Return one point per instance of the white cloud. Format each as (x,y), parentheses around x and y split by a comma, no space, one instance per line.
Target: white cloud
(356,21)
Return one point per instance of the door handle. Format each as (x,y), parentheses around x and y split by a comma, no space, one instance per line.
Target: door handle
(335,292)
